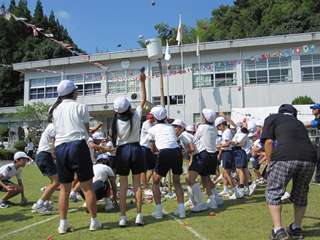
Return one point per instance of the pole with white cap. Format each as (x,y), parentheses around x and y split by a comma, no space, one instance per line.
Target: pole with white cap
(154,50)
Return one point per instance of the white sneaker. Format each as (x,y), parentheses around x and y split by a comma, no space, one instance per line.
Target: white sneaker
(180,212)
(64,229)
(4,205)
(139,219)
(252,189)
(157,214)
(109,205)
(73,197)
(96,225)
(211,202)
(40,209)
(285,196)
(123,221)
(224,194)
(199,207)
(238,193)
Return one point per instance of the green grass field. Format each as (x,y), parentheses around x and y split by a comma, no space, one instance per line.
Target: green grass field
(241,219)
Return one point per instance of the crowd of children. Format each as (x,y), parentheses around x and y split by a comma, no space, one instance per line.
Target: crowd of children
(80,161)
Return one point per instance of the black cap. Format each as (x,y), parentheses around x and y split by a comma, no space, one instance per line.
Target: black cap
(288,108)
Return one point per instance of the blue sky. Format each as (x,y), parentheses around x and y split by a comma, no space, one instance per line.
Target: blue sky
(103,24)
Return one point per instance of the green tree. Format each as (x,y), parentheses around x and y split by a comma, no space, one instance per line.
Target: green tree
(36,113)
(302,100)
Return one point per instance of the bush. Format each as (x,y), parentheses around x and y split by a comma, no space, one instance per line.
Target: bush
(302,100)
(20,145)
(6,154)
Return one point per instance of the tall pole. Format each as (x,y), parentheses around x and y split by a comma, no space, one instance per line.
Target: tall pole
(183,94)
(161,84)
(168,95)
(200,84)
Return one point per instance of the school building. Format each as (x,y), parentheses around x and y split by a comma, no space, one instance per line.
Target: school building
(252,72)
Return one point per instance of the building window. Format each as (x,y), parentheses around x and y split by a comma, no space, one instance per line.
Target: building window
(87,83)
(124,81)
(196,118)
(310,67)
(157,100)
(177,99)
(173,69)
(216,74)
(272,70)
(36,93)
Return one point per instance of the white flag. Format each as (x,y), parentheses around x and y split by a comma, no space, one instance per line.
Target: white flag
(179,32)
(167,55)
(48,35)
(198,47)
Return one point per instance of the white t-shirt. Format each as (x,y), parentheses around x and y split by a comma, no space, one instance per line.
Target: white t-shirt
(164,136)
(207,135)
(69,120)
(102,172)
(243,139)
(123,128)
(186,138)
(226,136)
(9,170)
(145,136)
(46,139)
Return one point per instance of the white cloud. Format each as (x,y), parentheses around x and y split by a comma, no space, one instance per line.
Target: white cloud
(63,15)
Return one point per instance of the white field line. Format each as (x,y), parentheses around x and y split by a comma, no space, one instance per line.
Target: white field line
(32,225)
(190,229)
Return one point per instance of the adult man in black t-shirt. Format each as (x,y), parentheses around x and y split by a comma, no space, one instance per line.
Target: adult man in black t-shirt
(291,156)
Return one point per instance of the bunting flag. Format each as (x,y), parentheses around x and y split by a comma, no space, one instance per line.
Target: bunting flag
(180,31)
(167,55)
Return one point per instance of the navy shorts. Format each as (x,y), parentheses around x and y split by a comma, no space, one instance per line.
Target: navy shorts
(204,163)
(74,157)
(240,158)
(46,164)
(149,158)
(227,159)
(255,163)
(100,188)
(129,157)
(6,182)
(170,158)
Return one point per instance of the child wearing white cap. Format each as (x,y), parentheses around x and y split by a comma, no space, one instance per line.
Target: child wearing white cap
(207,135)
(226,155)
(45,162)
(126,135)
(164,137)
(9,170)
(71,122)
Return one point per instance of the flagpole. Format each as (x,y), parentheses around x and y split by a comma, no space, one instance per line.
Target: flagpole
(168,96)
(199,74)
(183,94)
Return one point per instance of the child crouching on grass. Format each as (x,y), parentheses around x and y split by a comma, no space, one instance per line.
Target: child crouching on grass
(6,173)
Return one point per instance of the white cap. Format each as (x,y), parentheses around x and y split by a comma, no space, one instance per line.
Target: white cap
(219,120)
(98,136)
(252,128)
(159,113)
(209,115)
(18,155)
(190,128)
(121,104)
(179,122)
(66,87)
(102,156)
